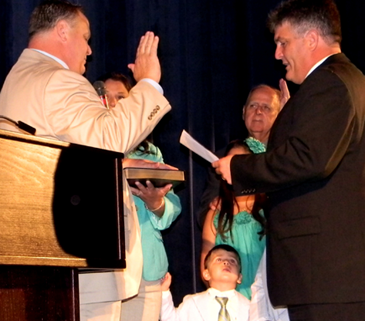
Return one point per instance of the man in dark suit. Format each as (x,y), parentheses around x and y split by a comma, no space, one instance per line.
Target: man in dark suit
(313,171)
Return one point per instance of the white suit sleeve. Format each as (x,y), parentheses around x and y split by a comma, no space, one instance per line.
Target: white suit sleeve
(168,311)
(75,113)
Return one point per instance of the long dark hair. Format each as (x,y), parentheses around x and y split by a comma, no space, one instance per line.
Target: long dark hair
(228,200)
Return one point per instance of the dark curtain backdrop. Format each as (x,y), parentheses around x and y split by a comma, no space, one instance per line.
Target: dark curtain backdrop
(212,52)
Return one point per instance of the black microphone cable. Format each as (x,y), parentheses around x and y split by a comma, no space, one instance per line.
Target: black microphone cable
(23,126)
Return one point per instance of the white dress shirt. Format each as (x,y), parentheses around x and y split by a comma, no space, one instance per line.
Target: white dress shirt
(232,303)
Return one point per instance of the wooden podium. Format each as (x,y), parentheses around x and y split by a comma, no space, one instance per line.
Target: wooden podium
(61,210)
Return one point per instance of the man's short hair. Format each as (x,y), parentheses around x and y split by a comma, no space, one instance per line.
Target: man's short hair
(225,247)
(304,15)
(45,16)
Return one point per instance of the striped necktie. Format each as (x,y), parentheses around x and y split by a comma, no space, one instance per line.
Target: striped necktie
(223,313)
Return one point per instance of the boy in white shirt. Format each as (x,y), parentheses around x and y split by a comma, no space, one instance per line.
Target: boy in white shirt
(222,272)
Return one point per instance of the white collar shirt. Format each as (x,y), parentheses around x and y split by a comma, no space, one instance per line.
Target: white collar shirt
(317,64)
(232,304)
(53,57)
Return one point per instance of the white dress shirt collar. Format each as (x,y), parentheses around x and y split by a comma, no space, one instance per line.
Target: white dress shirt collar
(317,64)
(232,304)
(226,294)
(53,57)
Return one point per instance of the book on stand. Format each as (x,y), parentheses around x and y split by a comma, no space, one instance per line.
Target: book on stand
(157,176)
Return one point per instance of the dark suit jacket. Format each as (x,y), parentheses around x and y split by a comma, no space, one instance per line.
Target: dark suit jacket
(314,174)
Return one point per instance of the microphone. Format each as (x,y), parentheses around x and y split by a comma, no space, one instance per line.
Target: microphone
(100,89)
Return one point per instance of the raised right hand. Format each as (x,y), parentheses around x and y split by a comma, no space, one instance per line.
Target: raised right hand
(284,93)
(147,64)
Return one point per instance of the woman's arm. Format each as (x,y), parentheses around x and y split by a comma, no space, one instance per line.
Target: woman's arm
(208,238)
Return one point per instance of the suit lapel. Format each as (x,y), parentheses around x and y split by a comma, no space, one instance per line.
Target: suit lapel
(202,306)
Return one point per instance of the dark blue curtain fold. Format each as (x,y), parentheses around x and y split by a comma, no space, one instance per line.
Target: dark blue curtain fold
(212,52)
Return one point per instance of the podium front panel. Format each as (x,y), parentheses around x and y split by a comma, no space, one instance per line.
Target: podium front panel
(61,204)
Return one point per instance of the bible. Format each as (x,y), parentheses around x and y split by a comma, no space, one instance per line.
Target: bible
(157,176)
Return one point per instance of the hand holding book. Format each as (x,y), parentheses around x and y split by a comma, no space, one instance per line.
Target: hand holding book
(153,197)
(150,181)
(159,174)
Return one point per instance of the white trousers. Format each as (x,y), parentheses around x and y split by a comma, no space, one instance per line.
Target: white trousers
(146,306)
(105,311)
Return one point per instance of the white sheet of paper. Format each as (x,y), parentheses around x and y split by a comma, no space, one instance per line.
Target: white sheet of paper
(193,145)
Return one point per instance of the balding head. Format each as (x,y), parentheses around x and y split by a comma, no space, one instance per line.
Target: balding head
(260,111)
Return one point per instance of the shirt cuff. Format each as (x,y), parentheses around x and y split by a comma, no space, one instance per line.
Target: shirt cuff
(166,294)
(154,84)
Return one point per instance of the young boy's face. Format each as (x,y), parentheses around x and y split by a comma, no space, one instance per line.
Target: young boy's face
(223,266)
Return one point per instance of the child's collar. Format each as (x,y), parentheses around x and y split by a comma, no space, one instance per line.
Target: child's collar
(214,292)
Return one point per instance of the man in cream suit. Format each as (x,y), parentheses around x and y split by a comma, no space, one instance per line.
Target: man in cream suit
(46,90)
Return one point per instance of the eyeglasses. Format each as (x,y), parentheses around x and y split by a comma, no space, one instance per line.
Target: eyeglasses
(266,109)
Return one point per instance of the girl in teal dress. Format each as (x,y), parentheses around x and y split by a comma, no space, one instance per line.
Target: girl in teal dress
(238,221)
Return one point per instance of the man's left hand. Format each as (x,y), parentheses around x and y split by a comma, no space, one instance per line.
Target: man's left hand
(223,168)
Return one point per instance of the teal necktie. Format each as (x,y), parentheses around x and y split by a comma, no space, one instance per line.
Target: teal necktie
(223,313)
